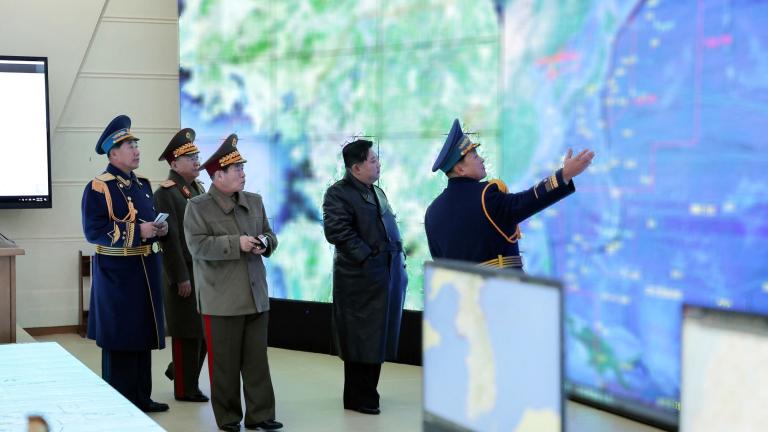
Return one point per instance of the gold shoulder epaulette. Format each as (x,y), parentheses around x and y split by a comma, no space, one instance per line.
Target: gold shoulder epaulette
(500,184)
(105,177)
(515,236)
(167,183)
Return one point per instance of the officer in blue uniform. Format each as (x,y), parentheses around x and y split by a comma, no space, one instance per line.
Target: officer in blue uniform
(477,221)
(126,312)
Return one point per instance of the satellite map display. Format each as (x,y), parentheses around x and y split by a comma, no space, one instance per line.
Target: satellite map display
(298,79)
(672,96)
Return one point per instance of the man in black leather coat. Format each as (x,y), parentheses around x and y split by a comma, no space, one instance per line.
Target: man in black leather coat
(369,278)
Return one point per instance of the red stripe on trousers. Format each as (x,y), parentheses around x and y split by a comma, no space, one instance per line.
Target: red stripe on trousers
(178,367)
(209,343)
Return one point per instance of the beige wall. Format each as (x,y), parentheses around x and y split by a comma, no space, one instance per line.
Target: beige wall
(106,57)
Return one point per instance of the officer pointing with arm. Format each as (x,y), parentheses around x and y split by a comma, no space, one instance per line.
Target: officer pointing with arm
(477,221)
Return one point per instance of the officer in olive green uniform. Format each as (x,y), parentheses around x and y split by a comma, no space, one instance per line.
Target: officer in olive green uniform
(184,322)
(228,234)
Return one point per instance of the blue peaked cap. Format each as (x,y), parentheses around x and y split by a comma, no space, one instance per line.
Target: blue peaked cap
(455,147)
(117,131)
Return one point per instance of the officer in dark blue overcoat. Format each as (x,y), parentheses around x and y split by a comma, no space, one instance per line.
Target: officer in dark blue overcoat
(126,309)
(477,221)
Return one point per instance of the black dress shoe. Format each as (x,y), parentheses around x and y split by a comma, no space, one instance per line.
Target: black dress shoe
(368,410)
(265,425)
(155,407)
(169,371)
(193,398)
(230,427)
(364,410)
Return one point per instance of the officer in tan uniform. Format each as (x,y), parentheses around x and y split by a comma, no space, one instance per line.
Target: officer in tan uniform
(184,322)
(228,234)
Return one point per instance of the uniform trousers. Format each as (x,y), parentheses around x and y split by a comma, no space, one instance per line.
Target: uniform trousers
(188,355)
(360,382)
(237,345)
(130,373)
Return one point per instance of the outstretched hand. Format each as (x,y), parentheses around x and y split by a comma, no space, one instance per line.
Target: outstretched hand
(575,165)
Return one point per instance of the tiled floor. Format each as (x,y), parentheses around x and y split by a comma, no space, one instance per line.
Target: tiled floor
(308,390)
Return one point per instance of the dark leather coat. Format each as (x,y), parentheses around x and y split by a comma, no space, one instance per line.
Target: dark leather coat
(369,277)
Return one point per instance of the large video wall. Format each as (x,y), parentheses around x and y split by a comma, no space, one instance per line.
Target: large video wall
(297,79)
(672,95)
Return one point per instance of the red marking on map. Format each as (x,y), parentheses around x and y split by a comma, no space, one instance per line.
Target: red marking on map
(718,41)
(552,62)
(646,99)
(559,57)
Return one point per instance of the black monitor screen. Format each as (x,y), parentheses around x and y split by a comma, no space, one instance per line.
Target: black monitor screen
(25,169)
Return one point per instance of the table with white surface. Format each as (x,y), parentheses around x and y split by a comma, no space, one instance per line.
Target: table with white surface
(44,379)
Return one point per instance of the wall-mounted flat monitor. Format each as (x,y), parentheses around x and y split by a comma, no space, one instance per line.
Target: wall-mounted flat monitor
(493,358)
(724,384)
(25,155)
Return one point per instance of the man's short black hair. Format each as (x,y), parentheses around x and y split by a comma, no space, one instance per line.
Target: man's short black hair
(356,152)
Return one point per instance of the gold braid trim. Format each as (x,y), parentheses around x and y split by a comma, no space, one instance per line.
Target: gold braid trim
(185,149)
(127,251)
(500,261)
(131,216)
(230,159)
(151,301)
(102,188)
(130,233)
(503,189)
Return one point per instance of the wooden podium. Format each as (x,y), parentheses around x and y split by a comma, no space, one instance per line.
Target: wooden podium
(8,293)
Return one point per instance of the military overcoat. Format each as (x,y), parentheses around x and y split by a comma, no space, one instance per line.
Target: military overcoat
(369,278)
(180,312)
(126,308)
